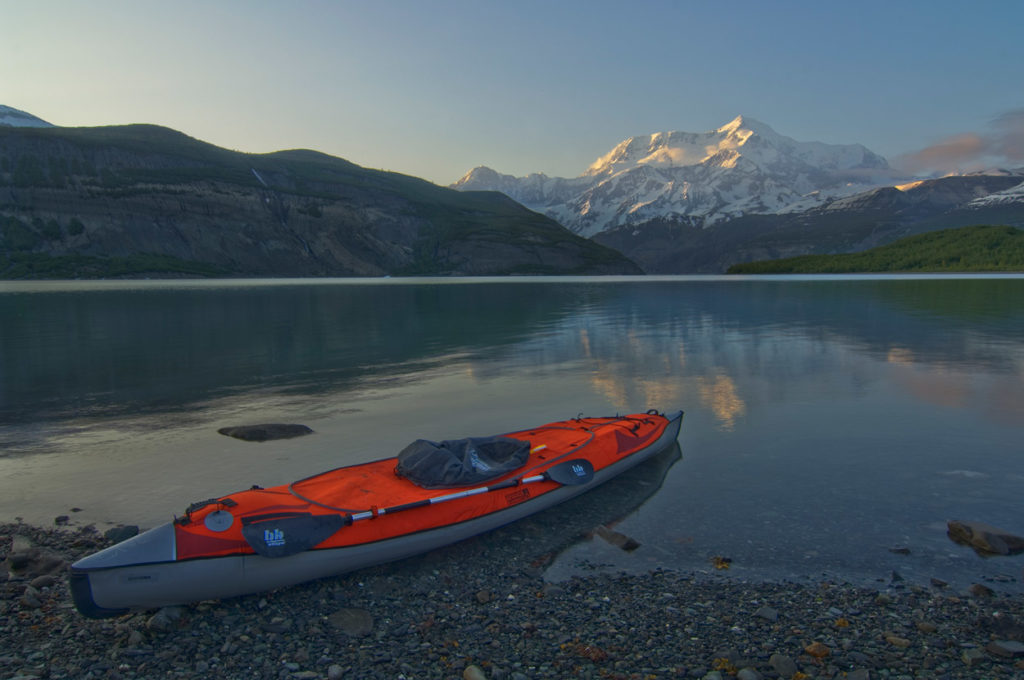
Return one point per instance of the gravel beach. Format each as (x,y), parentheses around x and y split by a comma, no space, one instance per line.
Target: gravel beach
(481,609)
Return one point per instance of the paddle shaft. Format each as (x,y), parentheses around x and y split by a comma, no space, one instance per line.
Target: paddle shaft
(569,472)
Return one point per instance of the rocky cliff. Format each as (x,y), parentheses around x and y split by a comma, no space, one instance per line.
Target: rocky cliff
(145,200)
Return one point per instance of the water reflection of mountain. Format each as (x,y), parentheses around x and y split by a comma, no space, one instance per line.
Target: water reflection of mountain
(711,340)
(136,349)
(976,322)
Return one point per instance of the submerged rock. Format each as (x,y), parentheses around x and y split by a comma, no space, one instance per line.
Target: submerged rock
(266,432)
(121,533)
(985,540)
(618,539)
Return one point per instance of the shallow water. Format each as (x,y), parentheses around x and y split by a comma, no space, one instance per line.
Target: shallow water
(828,419)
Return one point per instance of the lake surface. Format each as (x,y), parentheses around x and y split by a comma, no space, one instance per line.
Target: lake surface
(828,421)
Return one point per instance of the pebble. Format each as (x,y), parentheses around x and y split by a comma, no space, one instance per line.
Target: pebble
(354,622)
(818,650)
(165,619)
(897,641)
(30,598)
(979,590)
(783,665)
(44,581)
(425,618)
(473,672)
(972,656)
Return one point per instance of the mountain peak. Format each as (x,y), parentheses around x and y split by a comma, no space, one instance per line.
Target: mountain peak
(12,117)
(680,149)
(742,122)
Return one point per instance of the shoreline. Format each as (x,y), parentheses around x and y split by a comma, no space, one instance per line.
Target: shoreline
(481,609)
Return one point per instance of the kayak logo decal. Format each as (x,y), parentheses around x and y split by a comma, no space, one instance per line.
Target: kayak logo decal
(273,538)
(284,536)
(579,470)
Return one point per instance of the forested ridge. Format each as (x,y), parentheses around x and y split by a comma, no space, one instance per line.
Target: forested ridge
(982,248)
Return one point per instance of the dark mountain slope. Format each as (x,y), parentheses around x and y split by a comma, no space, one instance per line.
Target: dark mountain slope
(142,199)
(845,225)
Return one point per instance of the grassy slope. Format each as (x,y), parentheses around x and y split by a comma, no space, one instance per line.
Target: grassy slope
(966,249)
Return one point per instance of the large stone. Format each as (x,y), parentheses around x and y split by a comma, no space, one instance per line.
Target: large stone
(165,620)
(1006,648)
(35,561)
(354,622)
(984,539)
(265,432)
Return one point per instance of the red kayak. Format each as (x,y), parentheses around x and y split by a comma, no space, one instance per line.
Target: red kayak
(431,494)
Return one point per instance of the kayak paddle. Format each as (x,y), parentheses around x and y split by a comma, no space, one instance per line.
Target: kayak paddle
(567,473)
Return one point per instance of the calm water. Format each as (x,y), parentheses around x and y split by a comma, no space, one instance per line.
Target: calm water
(828,420)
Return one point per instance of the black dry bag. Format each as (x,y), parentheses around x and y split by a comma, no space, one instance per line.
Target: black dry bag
(460,462)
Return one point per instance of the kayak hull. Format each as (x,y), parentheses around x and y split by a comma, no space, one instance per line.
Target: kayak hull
(145,572)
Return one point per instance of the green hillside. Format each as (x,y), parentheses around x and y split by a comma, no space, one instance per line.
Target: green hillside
(966,249)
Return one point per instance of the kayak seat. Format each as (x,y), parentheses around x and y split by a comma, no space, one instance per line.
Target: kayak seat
(460,462)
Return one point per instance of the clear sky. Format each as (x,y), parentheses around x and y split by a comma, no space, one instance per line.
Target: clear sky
(435,87)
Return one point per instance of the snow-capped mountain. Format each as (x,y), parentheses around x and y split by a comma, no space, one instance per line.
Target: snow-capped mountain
(12,117)
(741,168)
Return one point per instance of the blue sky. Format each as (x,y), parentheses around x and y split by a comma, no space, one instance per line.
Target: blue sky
(435,87)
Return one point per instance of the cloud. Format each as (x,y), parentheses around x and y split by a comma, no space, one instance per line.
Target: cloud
(1010,134)
(1001,144)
